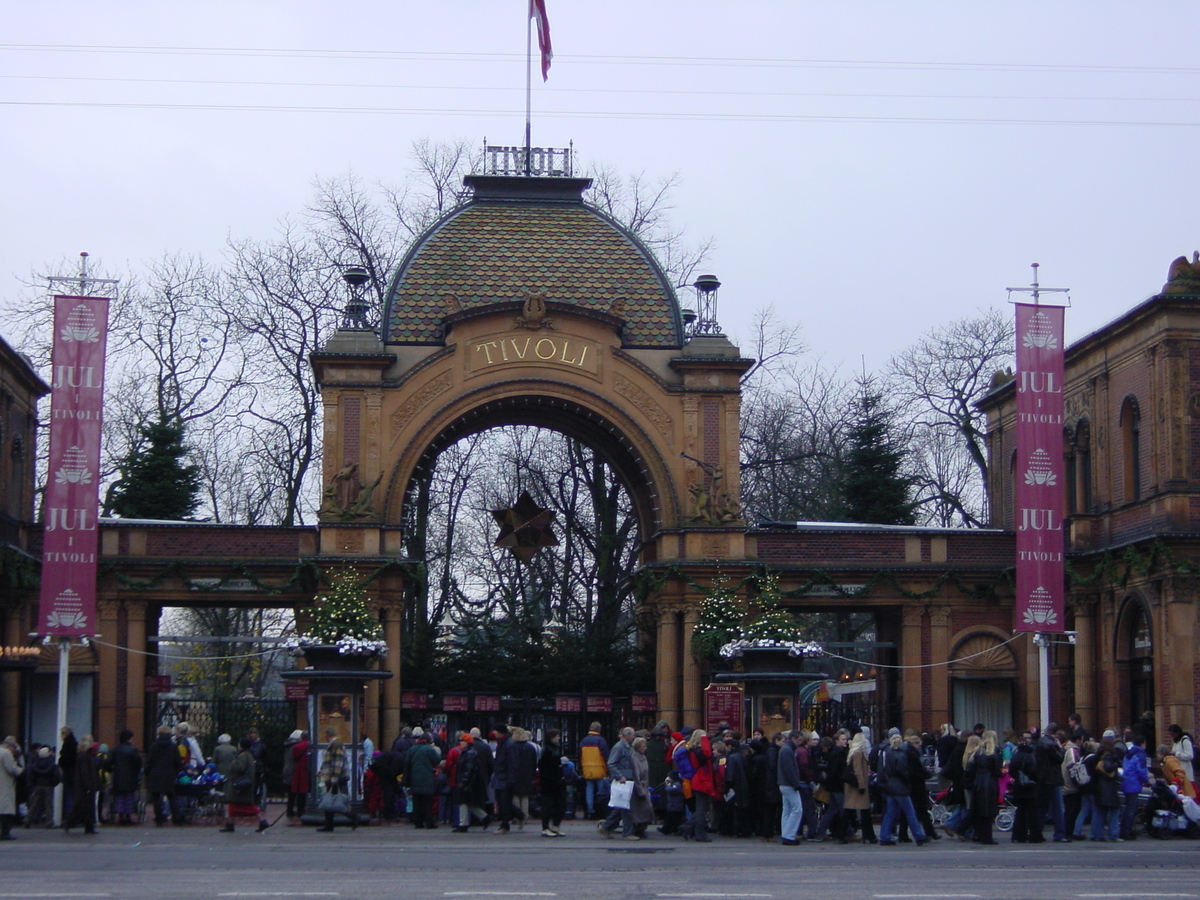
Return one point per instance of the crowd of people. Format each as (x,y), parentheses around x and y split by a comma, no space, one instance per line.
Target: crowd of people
(103,784)
(791,787)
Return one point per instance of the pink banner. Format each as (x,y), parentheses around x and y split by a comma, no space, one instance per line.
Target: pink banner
(1038,476)
(70,543)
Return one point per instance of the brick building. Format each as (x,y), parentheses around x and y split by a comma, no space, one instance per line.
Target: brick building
(1132,431)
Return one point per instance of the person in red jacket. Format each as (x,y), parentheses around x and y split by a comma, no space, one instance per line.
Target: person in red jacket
(695,764)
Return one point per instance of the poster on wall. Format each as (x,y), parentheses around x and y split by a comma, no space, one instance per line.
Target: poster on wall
(334,711)
(723,703)
(774,713)
(1038,483)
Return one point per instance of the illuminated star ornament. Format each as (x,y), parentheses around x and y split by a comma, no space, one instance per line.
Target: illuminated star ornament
(525,528)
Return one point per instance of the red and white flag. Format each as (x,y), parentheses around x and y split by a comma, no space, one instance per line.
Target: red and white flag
(537,12)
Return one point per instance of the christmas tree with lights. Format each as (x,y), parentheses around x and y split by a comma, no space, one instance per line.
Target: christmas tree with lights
(341,617)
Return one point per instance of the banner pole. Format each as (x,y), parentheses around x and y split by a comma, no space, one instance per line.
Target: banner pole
(1043,643)
(64,672)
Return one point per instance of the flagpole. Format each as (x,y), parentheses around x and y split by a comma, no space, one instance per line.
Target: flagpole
(528,82)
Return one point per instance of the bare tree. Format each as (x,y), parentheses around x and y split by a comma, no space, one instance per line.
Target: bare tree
(644,207)
(793,445)
(937,383)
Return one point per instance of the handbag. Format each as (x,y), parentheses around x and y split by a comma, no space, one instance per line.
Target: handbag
(334,801)
(620,794)
(822,795)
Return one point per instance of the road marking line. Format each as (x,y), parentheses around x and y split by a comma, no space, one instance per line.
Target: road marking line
(92,894)
(914,896)
(1138,894)
(280,894)
(498,894)
(720,896)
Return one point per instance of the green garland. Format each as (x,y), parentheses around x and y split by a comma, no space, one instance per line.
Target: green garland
(305,577)
(19,571)
(653,580)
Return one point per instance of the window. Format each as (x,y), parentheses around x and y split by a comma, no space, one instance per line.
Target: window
(1131,445)
(1082,474)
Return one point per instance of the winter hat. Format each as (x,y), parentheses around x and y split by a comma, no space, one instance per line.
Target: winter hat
(295,735)
(43,752)
(893,732)
(687,730)
(1110,733)
(418,731)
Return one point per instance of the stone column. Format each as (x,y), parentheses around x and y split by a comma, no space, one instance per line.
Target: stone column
(939,649)
(134,714)
(911,712)
(110,702)
(691,712)
(667,672)
(1086,663)
(1175,656)
(389,694)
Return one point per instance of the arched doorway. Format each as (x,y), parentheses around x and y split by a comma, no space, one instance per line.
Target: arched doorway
(1134,653)
(983,672)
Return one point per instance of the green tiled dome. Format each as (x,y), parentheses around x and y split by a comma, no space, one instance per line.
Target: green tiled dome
(495,249)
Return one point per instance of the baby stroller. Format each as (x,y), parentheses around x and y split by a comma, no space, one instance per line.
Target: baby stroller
(1169,815)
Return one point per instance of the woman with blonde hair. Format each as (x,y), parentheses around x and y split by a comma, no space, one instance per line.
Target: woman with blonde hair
(983,775)
(964,788)
(695,764)
(856,802)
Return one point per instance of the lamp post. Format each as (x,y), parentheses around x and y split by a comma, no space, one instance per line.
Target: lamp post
(354,316)
(706,301)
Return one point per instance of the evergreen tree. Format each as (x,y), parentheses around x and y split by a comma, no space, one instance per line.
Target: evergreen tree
(342,612)
(721,615)
(874,488)
(156,482)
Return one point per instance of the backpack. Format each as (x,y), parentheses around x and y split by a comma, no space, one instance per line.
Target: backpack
(1075,771)
(468,766)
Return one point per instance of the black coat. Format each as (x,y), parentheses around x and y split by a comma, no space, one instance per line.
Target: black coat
(162,765)
(550,769)
(737,778)
(525,767)
(952,771)
(835,769)
(1108,782)
(1023,769)
(984,771)
(125,763)
(895,779)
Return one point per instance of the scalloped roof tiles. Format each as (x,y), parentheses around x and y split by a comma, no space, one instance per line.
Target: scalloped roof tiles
(496,252)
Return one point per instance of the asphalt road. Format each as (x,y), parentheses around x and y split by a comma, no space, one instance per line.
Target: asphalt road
(200,863)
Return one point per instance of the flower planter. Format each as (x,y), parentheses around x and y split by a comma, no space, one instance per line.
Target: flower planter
(327,658)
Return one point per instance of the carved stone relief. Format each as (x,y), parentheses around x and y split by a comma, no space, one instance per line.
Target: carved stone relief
(645,403)
(421,398)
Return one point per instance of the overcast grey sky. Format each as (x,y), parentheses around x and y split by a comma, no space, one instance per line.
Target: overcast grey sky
(870,169)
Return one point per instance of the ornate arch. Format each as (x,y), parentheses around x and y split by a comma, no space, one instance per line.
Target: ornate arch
(1131,612)
(982,652)
(559,406)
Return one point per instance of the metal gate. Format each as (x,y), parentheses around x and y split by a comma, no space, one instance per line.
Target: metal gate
(208,719)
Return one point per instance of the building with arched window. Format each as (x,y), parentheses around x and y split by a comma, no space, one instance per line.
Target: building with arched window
(1132,398)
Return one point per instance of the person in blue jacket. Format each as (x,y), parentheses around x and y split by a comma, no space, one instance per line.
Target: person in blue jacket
(1135,776)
